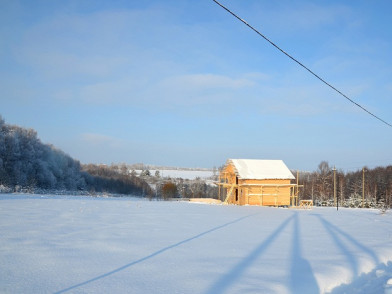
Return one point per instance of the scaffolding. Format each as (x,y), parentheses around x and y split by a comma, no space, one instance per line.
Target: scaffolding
(228,188)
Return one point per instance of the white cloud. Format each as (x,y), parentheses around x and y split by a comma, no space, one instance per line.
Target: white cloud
(123,91)
(112,57)
(301,16)
(312,16)
(181,90)
(57,64)
(98,140)
(200,82)
(96,44)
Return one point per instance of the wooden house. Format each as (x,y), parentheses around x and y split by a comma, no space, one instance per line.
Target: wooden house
(257,182)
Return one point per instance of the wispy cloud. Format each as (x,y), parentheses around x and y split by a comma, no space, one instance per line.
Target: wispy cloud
(206,81)
(206,89)
(302,16)
(177,90)
(93,44)
(311,16)
(125,91)
(55,64)
(98,140)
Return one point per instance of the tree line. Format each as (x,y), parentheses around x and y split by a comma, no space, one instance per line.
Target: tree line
(102,178)
(376,183)
(26,164)
(185,188)
(167,188)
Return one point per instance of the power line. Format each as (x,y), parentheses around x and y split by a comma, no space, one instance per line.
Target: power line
(305,67)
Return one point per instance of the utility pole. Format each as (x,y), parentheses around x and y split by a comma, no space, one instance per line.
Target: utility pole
(363,187)
(219,187)
(334,186)
(297,187)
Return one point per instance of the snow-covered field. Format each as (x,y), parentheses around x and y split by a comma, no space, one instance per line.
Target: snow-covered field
(72,244)
(184,174)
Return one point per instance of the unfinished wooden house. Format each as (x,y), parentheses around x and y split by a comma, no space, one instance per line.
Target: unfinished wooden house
(257,182)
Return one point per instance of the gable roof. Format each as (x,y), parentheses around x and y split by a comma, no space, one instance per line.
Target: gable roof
(257,169)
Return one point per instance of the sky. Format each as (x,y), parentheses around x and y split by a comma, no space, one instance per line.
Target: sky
(184,83)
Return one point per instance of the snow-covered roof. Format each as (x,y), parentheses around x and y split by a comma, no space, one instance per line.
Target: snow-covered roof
(257,169)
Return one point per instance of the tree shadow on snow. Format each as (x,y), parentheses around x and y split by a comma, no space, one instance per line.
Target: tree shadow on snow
(338,236)
(152,255)
(302,279)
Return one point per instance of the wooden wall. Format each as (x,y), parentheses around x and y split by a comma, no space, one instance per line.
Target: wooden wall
(271,192)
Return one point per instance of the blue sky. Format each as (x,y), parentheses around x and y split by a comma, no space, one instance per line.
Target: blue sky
(183,83)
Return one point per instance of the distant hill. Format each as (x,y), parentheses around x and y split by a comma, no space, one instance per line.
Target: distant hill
(28,164)
(180,173)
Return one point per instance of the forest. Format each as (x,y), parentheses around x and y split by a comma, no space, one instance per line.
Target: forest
(373,184)
(28,165)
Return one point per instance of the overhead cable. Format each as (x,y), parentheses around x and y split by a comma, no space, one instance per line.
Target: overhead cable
(301,64)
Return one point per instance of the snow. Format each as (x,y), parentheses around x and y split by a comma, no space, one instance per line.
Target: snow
(184,174)
(78,244)
(261,169)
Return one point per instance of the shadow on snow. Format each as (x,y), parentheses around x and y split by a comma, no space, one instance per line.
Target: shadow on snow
(337,236)
(302,279)
(152,255)
(372,282)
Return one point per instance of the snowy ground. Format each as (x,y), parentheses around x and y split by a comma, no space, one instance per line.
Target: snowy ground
(68,244)
(179,173)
